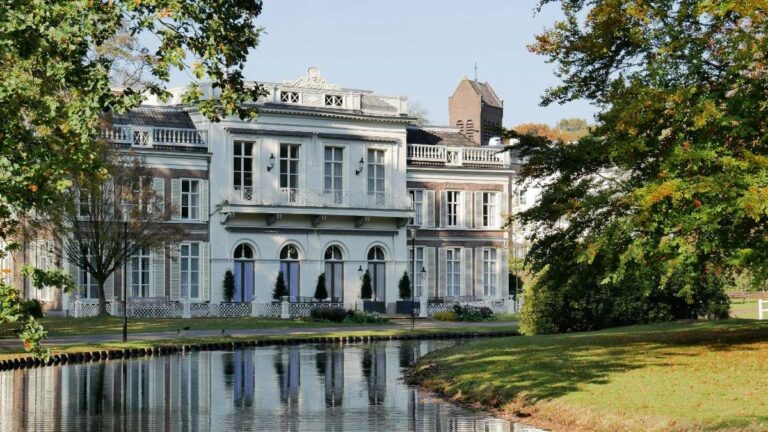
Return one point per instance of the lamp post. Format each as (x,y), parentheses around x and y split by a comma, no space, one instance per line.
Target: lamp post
(125,273)
(413,276)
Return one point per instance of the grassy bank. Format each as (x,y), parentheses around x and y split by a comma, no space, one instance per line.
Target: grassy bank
(17,351)
(682,376)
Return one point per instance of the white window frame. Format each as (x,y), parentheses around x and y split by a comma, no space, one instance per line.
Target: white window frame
(453,271)
(420,262)
(287,96)
(330,175)
(290,192)
(141,263)
(490,272)
(376,171)
(86,282)
(83,205)
(189,195)
(44,260)
(454,219)
(490,212)
(186,278)
(241,185)
(334,100)
(417,200)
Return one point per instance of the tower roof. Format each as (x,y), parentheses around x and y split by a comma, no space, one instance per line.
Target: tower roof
(485,91)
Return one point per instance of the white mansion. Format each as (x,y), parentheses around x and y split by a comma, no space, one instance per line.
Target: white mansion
(326,179)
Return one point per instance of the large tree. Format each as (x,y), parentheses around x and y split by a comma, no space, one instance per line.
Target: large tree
(58,62)
(643,218)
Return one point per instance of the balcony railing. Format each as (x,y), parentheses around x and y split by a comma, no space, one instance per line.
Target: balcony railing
(458,156)
(148,137)
(320,198)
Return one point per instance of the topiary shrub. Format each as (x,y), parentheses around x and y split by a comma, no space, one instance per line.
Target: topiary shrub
(366,290)
(280,289)
(320,292)
(334,314)
(404,286)
(228,286)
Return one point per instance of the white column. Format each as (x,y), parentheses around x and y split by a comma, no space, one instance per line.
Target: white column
(185,310)
(285,308)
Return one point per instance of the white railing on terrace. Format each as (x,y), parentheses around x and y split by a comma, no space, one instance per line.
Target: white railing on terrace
(458,156)
(147,137)
(320,198)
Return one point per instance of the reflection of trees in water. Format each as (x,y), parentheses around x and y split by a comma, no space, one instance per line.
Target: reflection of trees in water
(406,352)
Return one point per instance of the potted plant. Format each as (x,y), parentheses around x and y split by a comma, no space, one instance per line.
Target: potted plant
(405,304)
(366,293)
(320,292)
(228,286)
(280,290)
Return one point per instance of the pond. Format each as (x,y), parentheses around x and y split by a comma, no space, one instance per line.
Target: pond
(282,388)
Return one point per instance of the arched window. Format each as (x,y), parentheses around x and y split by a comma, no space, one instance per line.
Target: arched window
(377,270)
(243,268)
(460,125)
(334,273)
(290,266)
(470,130)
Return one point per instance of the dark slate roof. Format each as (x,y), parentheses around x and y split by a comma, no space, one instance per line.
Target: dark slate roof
(438,136)
(155,117)
(375,103)
(486,93)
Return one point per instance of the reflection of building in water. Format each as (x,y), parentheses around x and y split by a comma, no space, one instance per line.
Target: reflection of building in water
(330,365)
(288,369)
(242,363)
(374,363)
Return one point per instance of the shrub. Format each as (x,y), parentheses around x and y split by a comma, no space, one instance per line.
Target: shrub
(362,317)
(280,289)
(404,287)
(445,316)
(320,292)
(334,314)
(33,308)
(472,313)
(228,286)
(366,290)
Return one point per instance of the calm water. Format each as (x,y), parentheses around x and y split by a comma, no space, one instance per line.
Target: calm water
(286,388)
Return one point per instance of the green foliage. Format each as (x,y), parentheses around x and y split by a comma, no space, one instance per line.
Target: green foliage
(404,286)
(745,281)
(32,308)
(280,290)
(643,218)
(228,285)
(334,314)
(472,313)
(445,316)
(320,292)
(363,317)
(366,290)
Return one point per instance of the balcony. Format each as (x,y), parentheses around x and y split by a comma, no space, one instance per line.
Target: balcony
(153,137)
(424,154)
(320,198)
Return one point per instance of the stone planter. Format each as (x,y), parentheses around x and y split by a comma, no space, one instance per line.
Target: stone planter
(404,307)
(374,306)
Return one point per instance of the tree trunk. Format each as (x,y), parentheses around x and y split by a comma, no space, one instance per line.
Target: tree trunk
(102,299)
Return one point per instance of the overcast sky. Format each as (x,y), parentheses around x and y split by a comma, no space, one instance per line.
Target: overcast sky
(415,48)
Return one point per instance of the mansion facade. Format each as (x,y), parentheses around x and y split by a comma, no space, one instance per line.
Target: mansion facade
(326,179)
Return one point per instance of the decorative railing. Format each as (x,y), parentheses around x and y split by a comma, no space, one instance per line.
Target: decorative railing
(320,198)
(497,306)
(304,309)
(459,156)
(149,137)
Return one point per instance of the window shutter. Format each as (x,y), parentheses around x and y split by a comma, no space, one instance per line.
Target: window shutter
(158,271)
(443,209)
(109,287)
(479,210)
(479,286)
(429,219)
(204,200)
(205,271)
(431,272)
(158,185)
(468,212)
(176,198)
(466,259)
(175,273)
(504,208)
(442,259)
(503,266)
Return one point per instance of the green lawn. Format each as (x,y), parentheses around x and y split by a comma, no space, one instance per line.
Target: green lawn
(682,376)
(744,308)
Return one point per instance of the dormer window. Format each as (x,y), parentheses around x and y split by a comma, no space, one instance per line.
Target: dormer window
(334,101)
(289,96)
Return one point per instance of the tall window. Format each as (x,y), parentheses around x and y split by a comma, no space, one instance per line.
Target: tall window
(190,270)
(453,207)
(489,272)
(190,199)
(289,170)
(453,271)
(460,125)
(43,261)
(140,273)
(377,269)
(89,287)
(242,166)
(334,161)
(139,195)
(415,273)
(83,203)
(290,266)
(490,209)
(334,273)
(244,274)
(376,175)
(417,198)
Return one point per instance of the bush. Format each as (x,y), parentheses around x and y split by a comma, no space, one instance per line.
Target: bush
(33,308)
(472,313)
(280,289)
(362,317)
(321,293)
(404,287)
(334,314)
(228,285)
(445,316)
(366,290)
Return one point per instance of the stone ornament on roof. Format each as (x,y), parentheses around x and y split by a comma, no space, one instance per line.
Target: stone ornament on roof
(312,80)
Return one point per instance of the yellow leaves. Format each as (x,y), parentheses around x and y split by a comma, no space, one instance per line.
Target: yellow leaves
(756,202)
(662,191)
(32,188)
(707,113)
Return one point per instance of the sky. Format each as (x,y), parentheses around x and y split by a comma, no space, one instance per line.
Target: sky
(420,49)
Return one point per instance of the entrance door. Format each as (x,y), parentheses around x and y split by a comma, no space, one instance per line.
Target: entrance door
(290,266)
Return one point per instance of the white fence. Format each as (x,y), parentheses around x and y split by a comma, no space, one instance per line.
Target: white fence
(762,308)
(459,156)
